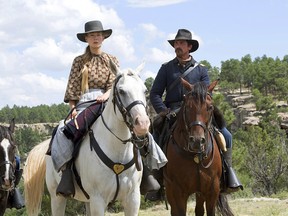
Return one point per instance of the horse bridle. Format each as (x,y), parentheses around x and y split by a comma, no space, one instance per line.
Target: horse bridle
(203,148)
(3,163)
(139,142)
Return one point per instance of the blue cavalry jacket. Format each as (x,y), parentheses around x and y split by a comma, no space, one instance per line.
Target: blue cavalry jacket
(169,72)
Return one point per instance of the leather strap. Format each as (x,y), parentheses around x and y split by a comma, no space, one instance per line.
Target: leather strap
(182,76)
(116,167)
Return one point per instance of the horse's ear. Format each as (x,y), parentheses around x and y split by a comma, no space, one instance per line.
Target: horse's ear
(12,125)
(186,84)
(114,67)
(213,85)
(140,68)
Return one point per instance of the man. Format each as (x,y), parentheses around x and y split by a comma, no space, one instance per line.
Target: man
(167,79)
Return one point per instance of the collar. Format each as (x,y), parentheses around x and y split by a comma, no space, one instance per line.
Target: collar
(189,63)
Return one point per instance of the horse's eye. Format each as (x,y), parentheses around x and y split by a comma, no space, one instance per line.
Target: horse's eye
(121,91)
(212,107)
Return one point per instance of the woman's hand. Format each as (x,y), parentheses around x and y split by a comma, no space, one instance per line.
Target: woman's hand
(74,112)
(103,97)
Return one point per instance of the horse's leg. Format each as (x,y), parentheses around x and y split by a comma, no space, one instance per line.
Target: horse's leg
(131,204)
(211,200)
(2,210)
(97,206)
(210,206)
(3,201)
(87,207)
(199,208)
(58,203)
(177,200)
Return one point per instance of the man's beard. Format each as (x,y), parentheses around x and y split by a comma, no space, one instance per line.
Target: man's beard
(179,52)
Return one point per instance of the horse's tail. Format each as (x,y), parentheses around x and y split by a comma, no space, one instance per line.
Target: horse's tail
(223,206)
(34,178)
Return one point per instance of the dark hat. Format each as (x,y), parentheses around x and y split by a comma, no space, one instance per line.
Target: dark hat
(184,34)
(94,26)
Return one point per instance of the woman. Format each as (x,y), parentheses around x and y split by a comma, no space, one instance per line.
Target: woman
(90,76)
(90,79)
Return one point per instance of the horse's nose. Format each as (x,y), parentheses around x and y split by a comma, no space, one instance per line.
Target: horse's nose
(141,125)
(197,142)
(5,181)
(142,121)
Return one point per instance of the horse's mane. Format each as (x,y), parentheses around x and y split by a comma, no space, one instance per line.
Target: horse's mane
(218,118)
(199,92)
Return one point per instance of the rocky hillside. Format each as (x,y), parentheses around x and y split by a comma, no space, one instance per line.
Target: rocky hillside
(43,128)
(245,109)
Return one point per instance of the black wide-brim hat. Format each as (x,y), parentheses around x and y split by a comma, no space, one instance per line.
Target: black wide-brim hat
(184,34)
(94,26)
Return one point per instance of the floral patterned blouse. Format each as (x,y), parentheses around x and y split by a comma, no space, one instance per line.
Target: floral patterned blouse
(100,75)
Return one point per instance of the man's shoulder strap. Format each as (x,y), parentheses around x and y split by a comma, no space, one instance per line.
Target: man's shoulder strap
(182,76)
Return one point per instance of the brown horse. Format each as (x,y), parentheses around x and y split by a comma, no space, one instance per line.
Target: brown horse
(194,160)
(7,164)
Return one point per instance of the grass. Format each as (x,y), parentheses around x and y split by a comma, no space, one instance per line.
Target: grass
(240,207)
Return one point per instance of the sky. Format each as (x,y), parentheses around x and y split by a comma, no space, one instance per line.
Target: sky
(38,38)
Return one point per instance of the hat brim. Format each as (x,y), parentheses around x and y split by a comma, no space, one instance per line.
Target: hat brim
(195,44)
(81,36)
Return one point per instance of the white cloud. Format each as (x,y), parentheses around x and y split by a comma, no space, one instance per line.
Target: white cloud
(38,44)
(146,74)
(31,90)
(153,3)
(159,56)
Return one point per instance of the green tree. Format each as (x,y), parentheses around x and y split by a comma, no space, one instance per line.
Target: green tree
(148,83)
(263,158)
(26,139)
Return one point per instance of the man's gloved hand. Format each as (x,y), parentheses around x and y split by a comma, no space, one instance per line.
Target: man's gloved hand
(164,113)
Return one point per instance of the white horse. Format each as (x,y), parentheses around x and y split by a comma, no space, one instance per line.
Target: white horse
(123,121)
